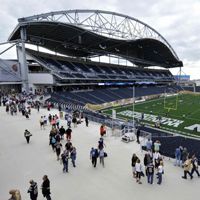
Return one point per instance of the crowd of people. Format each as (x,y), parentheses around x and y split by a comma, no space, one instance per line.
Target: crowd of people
(152,163)
(187,162)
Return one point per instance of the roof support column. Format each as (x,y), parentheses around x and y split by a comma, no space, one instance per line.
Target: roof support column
(23,62)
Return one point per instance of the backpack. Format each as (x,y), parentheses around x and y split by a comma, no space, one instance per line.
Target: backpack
(53,140)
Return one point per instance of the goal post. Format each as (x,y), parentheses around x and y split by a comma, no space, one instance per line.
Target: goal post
(171,100)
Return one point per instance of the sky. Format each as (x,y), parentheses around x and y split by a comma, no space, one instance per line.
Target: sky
(177,20)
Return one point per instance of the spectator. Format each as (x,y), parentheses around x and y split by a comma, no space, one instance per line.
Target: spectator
(15,195)
(27,135)
(150,172)
(178,156)
(149,145)
(157,145)
(187,166)
(33,190)
(133,162)
(86,121)
(195,165)
(138,168)
(46,187)
(93,156)
(160,172)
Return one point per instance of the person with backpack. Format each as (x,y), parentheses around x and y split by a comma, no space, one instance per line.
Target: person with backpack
(33,190)
(53,142)
(27,135)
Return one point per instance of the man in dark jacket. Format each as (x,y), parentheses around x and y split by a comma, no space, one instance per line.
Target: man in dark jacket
(94,154)
(46,187)
(33,190)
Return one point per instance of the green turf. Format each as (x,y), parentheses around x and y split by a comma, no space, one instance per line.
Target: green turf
(185,107)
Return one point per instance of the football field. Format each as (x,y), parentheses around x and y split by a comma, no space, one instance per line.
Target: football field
(178,113)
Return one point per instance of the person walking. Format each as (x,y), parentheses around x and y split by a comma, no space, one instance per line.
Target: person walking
(15,195)
(61,132)
(150,172)
(186,167)
(138,168)
(86,121)
(46,187)
(160,172)
(33,190)
(73,156)
(149,144)
(74,121)
(101,157)
(58,147)
(42,123)
(27,135)
(68,133)
(138,135)
(178,156)
(102,130)
(184,155)
(93,156)
(101,143)
(133,162)
(65,158)
(195,166)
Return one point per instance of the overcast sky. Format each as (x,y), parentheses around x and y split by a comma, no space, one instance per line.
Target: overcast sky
(177,20)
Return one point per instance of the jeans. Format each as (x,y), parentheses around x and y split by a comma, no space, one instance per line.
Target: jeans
(150,178)
(65,166)
(159,178)
(178,161)
(73,162)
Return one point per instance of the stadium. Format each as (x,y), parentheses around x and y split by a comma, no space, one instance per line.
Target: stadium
(109,66)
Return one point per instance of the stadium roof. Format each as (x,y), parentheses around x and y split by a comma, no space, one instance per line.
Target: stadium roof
(90,33)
